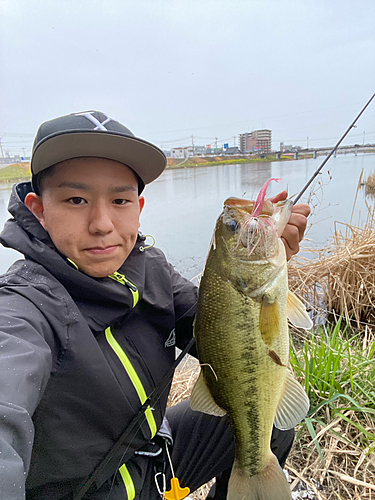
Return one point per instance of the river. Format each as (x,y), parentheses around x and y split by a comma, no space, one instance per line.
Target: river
(183,204)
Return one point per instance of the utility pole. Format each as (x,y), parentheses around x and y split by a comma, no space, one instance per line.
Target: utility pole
(234,141)
(364,133)
(307,143)
(24,154)
(215,142)
(1,147)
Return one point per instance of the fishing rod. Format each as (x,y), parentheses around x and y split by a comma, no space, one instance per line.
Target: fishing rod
(162,386)
(330,154)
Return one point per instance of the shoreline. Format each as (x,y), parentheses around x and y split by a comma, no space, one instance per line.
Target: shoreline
(203,161)
(18,172)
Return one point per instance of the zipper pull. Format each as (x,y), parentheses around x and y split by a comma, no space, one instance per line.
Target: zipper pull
(131,286)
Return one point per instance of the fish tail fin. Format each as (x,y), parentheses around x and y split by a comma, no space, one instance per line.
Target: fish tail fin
(269,484)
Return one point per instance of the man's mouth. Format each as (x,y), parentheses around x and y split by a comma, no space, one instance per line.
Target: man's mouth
(102,250)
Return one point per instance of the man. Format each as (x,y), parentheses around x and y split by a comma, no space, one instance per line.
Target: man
(89,324)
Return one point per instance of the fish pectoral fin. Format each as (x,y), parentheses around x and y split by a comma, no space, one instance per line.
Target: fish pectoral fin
(297,313)
(293,405)
(269,320)
(202,400)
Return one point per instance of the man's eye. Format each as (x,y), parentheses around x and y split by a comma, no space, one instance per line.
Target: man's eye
(120,201)
(77,200)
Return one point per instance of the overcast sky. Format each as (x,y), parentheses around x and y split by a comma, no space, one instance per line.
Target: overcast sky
(170,70)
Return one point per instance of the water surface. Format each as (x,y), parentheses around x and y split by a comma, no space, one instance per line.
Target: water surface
(183,204)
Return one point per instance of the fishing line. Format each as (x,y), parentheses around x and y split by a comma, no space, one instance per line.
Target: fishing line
(353,125)
(213,371)
(169,459)
(154,397)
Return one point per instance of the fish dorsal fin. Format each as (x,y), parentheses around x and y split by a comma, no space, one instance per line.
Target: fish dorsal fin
(293,405)
(269,321)
(297,313)
(202,400)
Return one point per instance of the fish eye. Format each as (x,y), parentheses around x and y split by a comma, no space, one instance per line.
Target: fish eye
(232,225)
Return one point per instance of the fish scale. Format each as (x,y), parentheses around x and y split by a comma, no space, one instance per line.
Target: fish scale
(248,353)
(243,343)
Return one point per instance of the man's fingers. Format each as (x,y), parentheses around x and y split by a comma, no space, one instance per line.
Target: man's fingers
(289,252)
(297,225)
(279,197)
(295,229)
(291,239)
(302,209)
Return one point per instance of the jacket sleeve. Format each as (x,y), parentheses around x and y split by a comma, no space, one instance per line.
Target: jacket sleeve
(25,366)
(185,305)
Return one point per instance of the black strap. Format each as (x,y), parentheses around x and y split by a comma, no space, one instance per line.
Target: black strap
(134,424)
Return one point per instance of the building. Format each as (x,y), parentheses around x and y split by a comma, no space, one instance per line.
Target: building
(259,141)
(213,151)
(199,150)
(188,151)
(232,151)
(289,148)
(183,152)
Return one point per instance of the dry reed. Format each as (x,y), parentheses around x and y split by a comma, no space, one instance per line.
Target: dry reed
(370,184)
(339,279)
(339,463)
(348,472)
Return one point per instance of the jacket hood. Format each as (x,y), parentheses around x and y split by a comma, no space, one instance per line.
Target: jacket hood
(101,300)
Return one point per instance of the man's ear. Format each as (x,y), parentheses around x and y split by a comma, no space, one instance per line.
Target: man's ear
(141,205)
(35,204)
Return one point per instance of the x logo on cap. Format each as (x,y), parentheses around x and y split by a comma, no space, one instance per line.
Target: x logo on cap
(95,121)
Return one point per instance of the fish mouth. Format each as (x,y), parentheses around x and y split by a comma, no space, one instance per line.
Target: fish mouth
(256,235)
(246,207)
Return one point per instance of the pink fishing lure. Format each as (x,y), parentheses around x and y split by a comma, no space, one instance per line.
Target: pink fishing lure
(261,197)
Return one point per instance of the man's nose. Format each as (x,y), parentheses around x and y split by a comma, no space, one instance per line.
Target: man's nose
(100,219)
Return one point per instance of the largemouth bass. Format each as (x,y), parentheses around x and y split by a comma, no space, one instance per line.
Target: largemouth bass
(243,341)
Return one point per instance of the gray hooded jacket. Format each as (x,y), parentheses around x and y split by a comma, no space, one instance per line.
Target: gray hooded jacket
(77,357)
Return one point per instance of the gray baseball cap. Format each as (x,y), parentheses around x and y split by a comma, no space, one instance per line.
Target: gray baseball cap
(93,133)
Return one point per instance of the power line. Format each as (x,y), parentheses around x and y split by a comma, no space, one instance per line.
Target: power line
(259,119)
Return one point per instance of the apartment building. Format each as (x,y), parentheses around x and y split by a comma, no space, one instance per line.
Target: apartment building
(256,141)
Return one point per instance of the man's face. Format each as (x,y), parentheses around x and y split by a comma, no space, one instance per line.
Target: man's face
(90,208)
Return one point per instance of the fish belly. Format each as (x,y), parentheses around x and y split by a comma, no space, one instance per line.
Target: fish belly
(240,374)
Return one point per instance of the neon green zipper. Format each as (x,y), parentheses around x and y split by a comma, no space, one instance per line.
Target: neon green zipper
(136,381)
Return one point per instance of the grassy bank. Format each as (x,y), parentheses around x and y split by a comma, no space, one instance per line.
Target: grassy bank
(21,171)
(333,457)
(200,161)
(334,448)
(333,454)
(15,172)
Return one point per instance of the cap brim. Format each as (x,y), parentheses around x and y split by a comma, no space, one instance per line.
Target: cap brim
(141,156)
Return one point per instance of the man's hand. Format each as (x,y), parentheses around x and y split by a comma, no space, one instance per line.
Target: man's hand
(295,229)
